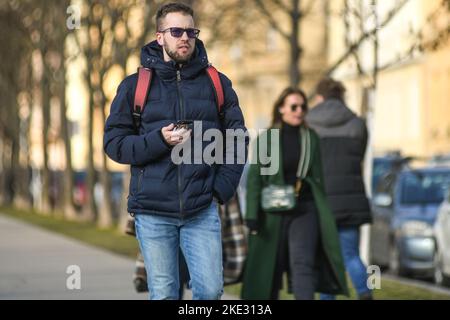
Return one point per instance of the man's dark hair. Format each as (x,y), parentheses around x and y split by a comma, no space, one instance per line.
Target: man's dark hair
(170,8)
(331,89)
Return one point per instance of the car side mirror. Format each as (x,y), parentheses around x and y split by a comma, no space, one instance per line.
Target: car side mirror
(382,200)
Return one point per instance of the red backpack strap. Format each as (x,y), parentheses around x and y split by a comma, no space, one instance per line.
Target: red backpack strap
(141,94)
(218,89)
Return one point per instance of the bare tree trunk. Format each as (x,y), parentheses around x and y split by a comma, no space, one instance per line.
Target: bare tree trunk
(295,46)
(2,170)
(45,105)
(295,15)
(105,218)
(15,173)
(68,185)
(7,172)
(15,166)
(91,212)
(22,196)
(68,178)
(375,45)
(13,169)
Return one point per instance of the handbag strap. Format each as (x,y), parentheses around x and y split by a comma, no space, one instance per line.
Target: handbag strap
(305,156)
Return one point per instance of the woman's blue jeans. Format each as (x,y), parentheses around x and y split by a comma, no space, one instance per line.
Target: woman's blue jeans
(349,238)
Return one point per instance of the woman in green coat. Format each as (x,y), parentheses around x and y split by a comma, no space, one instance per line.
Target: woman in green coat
(302,241)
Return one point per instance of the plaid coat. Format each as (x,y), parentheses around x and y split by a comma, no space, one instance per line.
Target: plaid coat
(234,241)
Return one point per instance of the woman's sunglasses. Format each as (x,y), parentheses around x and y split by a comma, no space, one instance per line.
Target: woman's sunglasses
(178,32)
(294,107)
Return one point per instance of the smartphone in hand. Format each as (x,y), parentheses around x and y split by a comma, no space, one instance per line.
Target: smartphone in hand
(184,124)
(182,130)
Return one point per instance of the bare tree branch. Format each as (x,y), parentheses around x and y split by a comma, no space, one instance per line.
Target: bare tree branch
(308,8)
(353,47)
(270,19)
(421,45)
(280,4)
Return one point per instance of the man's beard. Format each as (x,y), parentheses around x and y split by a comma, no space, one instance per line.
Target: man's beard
(176,57)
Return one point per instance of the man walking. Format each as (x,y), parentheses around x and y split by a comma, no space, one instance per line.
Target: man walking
(173,203)
(343,140)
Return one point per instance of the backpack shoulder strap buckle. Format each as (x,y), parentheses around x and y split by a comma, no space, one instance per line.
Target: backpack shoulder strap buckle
(141,94)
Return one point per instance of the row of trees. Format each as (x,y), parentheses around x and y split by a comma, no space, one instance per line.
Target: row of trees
(40,39)
(35,57)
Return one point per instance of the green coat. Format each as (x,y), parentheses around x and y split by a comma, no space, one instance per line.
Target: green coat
(261,259)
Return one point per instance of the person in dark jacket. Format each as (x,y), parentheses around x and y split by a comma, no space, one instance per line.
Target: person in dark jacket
(343,140)
(173,203)
(302,241)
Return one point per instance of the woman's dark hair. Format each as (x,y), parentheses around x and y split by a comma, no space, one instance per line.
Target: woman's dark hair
(170,8)
(276,115)
(329,88)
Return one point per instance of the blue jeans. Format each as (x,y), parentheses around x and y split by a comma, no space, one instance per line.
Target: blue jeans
(349,238)
(201,243)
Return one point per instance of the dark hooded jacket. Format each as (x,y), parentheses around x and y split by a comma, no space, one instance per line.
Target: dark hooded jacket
(343,140)
(158,185)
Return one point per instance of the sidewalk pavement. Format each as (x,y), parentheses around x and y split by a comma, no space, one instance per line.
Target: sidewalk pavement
(34,263)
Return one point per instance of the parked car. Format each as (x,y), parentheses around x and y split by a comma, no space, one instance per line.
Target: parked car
(440,160)
(404,209)
(385,164)
(442,234)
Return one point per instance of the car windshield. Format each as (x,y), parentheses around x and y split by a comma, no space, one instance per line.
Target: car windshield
(424,187)
(380,168)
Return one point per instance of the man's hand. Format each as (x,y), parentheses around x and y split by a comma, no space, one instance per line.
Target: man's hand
(173,137)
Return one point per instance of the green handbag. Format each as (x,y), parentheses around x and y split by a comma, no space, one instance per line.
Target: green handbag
(280,198)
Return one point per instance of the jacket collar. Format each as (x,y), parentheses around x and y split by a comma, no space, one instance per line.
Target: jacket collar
(329,114)
(306,152)
(152,57)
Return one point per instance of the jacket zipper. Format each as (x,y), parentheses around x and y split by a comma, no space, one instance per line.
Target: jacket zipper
(181,117)
(141,174)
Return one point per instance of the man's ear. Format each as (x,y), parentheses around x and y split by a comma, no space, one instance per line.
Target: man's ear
(159,38)
(318,99)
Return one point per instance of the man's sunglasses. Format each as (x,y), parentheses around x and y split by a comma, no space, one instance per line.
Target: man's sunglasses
(294,107)
(178,32)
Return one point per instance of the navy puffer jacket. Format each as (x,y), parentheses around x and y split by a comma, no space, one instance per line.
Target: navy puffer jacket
(158,186)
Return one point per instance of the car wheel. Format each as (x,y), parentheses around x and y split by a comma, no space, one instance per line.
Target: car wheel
(445,280)
(439,277)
